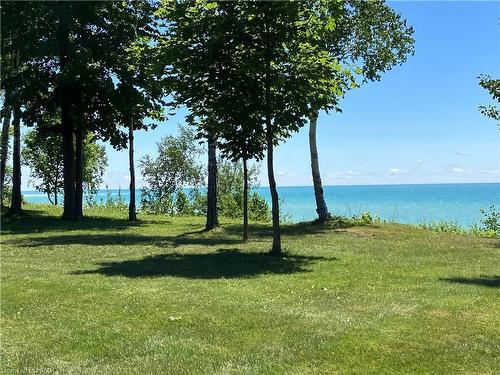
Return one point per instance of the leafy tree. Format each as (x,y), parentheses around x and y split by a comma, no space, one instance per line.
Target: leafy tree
(211,207)
(201,45)
(232,191)
(250,58)
(10,72)
(182,204)
(176,166)
(72,54)
(367,38)
(16,198)
(493,87)
(193,49)
(4,150)
(43,153)
(139,91)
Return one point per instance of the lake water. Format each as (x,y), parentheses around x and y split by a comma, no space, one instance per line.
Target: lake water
(412,204)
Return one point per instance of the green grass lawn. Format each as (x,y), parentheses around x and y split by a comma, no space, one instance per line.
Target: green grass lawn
(101,296)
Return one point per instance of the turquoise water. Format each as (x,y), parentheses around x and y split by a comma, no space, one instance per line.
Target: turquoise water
(412,204)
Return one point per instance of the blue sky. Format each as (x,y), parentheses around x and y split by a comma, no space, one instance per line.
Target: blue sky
(419,124)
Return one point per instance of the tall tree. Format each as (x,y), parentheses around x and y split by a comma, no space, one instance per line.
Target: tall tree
(176,166)
(73,53)
(321,207)
(255,56)
(367,38)
(42,153)
(294,72)
(16,200)
(9,59)
(4,148)
(212,213)
(6,117)
(140,90)
(194,49)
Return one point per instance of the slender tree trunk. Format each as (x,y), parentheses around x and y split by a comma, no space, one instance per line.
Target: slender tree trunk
(56,177)
(67,99)
(132,216)
(245,200)
(68,166)
(276,249)
(321,208)
(212,214)
(4,144)
(79,173)
(16,203)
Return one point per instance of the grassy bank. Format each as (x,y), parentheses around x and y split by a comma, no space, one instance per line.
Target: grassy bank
(104,296)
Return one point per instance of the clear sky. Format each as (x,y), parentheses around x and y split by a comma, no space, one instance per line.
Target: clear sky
(419,124)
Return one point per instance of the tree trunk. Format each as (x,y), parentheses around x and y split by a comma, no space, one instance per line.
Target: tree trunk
(321,208)
(132,216)
(66,99)
(56,177)
(276,249)
(4,144)
(68,166)
(245,200)
(212,215)
(16,203)
(79,173)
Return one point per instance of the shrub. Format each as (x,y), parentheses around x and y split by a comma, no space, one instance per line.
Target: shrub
(491,221)
(182,204)
(489,226)
(117,204)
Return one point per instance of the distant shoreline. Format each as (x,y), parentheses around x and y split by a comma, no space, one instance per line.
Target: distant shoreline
(306,186)
(403,203)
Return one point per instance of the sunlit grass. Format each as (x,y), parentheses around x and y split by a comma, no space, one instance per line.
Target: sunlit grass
(103,296)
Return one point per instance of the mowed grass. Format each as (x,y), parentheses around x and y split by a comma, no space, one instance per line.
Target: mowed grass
(102,296)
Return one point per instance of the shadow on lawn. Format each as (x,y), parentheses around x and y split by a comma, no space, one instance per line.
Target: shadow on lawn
(296,229)
(228,235)
(225,263)
(34,221)
(123,239)
(483,280)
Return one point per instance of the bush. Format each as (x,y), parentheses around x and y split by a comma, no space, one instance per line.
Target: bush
(491,221)
(182,204)
(489,226)
(444,226)
(117,204)
(230,192)
(366,218)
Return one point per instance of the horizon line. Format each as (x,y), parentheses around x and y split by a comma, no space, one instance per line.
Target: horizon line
(342,185)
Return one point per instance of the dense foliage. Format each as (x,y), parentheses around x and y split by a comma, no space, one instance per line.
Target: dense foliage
(42,153)
(175,176)
(175,167)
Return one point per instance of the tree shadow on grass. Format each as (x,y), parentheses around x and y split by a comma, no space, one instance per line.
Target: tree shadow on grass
(34,221)
(226,235)
(225,263)
(296,229)
(121,239)
(483,280)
